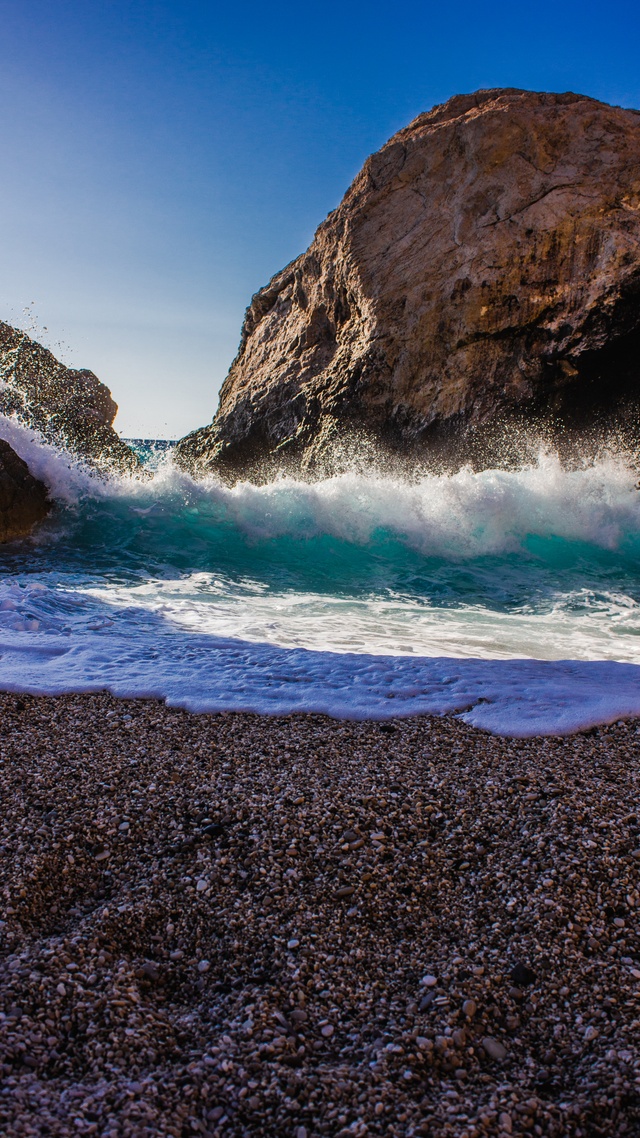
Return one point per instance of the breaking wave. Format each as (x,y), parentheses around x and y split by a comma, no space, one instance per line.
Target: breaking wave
(472,568)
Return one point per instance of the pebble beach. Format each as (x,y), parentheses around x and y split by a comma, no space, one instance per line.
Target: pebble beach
(242,925)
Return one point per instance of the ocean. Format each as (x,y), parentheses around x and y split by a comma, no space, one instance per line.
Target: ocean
(508,597)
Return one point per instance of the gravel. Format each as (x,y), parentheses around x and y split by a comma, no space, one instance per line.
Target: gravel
(235,925)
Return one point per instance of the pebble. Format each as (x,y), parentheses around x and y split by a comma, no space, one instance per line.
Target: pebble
(260,1006)
(494,1049)
(522,975)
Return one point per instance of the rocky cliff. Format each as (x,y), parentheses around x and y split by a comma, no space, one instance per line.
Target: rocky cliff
(67,406)
(483,266)
(23,500)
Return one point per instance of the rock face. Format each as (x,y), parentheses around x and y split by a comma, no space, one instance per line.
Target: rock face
(484,265)
(23,500)
(66,405)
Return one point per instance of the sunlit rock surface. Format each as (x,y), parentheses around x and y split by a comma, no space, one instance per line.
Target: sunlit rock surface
(483,268)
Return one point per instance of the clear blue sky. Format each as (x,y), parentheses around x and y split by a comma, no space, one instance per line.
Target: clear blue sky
(161,160)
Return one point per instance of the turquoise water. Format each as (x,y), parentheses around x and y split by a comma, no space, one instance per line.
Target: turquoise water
(540,564)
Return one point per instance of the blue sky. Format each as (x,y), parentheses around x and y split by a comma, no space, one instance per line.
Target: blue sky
(160,161)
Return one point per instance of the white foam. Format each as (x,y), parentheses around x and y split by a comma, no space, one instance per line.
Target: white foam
(204,674)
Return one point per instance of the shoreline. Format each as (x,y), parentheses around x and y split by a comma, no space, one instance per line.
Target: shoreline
(294,925)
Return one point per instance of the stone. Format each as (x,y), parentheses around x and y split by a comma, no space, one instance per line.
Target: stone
(469,1008)
(429,981)
(149,971)
(68,406)
(522,975)
(212,830)
(483,269)
(345,891)
(23,499)
(494,1049)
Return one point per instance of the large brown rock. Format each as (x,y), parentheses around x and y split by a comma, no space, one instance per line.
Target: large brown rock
(484,265)
(23,500)
(68,406)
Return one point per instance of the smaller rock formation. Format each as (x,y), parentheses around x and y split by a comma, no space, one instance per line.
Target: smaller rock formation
(23,500)
(67,406)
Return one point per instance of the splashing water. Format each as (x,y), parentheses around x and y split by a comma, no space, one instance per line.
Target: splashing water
(354,595)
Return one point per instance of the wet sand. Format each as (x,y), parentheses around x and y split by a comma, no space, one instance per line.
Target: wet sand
(239,925)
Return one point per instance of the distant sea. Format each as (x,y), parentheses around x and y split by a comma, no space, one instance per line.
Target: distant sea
(511,598)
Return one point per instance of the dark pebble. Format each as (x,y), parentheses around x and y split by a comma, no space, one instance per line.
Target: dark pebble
(522,976)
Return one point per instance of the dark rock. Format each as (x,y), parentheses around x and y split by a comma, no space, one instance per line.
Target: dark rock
(482,269)
(494,1049)
(149,971)
(212,830)
(522,976)
(23,500)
